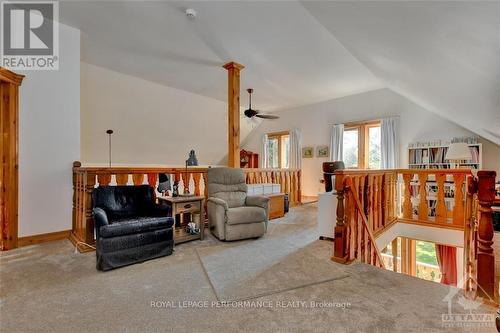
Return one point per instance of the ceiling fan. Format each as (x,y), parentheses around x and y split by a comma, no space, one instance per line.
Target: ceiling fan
(250,113)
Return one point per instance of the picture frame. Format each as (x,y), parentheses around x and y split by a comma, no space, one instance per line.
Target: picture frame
(322,151)
(307,152)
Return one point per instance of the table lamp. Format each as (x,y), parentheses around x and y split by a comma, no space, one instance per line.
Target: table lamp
(191,161)
(457,151)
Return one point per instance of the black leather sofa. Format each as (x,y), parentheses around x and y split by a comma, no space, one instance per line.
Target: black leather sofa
(130,226)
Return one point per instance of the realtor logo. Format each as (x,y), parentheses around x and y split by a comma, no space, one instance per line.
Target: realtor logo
(30,35)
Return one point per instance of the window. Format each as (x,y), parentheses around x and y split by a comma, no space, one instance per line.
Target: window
(362,145)
(419,258)
(350,150)
(278,150)
(374,147)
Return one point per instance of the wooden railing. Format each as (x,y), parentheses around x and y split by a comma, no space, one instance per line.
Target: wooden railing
(364,208)
(370,201)
(85,179)
(289,180)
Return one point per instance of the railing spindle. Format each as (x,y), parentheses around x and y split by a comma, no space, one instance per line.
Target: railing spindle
(423,210)
(441,215)
(122,179)
(138,178)
(458,207)
(407,206)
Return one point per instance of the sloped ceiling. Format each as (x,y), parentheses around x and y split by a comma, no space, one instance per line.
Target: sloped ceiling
(289,57)
(441,55)
(444,56)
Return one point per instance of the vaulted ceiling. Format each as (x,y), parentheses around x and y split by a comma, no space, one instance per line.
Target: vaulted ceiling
(442,55)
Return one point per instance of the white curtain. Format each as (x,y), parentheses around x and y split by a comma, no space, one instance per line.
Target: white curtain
(263,151)
(295,157)
(389,132)
(337,142)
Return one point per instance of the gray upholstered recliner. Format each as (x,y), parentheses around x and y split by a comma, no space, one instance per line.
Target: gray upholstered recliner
(232,215)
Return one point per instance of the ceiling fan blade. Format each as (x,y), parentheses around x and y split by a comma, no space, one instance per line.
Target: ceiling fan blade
(267,116)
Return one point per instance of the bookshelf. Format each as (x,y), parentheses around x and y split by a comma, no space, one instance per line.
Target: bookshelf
(432,157)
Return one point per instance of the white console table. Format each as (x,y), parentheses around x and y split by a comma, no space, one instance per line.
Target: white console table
(327,214)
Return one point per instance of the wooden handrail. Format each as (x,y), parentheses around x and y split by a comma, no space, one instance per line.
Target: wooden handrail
(192,179)
(367,228)
(403,171)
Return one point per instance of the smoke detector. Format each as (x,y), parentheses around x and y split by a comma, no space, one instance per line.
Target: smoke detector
(191,13)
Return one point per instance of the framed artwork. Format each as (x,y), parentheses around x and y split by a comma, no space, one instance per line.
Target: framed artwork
(307,152)
(322,151)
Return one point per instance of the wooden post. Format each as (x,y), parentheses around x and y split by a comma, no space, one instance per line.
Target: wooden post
(233,113)
(74,214)
(412,257)
(394,250)
(485,255)
(340,232)
(89,220)
(404,255)
(9,157)
(470,235)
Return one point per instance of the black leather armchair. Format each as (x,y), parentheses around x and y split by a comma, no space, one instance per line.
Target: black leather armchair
(130,226)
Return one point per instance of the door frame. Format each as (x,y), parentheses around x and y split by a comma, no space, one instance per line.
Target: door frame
(9,154)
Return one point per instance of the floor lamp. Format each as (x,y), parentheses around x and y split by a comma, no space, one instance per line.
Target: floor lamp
(109,132)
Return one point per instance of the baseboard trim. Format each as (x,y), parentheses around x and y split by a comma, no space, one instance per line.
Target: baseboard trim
(43,238)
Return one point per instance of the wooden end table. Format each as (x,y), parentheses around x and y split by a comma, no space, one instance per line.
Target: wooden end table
(186,205)
(276,205)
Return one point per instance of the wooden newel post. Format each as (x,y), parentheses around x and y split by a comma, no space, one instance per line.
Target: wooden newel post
(90,182)
(233,113)
(485,255)
(340,233)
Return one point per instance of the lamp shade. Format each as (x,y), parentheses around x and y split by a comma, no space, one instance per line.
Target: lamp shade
(458,151)
(192,160)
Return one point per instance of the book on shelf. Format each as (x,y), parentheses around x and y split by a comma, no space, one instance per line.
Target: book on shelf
(427,156)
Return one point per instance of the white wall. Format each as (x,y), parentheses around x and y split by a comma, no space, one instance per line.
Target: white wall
(49,140)
(315,122)
(152,123)
(424,233)
(435,235)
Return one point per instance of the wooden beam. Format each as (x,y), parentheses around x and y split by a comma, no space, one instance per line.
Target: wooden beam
(233,113)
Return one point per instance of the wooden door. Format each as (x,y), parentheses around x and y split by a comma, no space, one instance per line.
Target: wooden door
(9,152)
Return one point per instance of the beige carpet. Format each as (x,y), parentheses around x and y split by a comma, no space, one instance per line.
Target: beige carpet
(262,268)
(50,288)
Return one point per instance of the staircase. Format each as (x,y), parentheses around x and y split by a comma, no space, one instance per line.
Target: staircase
(452,202)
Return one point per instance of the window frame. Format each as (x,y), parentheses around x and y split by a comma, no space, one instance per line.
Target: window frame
(279,136)
(363,140)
